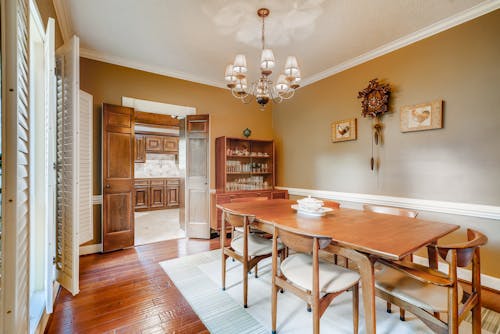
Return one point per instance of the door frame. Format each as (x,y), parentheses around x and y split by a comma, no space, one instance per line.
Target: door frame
(174,111)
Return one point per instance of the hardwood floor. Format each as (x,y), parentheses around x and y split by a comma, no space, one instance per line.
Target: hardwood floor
(127,292)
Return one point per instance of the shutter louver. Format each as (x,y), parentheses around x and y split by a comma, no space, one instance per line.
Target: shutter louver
(14,288)
(85,164)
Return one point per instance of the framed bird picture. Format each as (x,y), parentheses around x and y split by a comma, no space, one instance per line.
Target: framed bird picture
(344,130)
(425,116)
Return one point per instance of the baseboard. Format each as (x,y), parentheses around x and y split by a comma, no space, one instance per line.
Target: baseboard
(489,282)
(455,208)
(90,249)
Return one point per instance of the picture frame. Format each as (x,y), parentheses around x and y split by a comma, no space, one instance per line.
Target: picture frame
(420,117)
(344,130)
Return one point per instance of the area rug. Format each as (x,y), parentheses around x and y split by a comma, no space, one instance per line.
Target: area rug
(198,278)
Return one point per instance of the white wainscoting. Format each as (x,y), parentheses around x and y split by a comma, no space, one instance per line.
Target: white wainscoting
(454,208)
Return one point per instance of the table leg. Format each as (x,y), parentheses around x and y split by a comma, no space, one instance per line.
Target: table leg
(367,271)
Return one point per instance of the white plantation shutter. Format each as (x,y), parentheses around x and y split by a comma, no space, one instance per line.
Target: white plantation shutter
(15,239)
(50,106)
(67,208)
(85,164)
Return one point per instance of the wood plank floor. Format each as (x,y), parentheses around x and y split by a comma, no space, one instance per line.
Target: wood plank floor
(128,292)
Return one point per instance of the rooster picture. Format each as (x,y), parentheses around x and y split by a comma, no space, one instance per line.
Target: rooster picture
(420,117)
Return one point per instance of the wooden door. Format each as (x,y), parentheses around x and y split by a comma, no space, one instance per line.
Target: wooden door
(154,144)
(197,173)
(118,177)
(140,148)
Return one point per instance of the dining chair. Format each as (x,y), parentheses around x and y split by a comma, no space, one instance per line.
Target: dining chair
(389,210)
(426,292)
(304,274)
(247,248)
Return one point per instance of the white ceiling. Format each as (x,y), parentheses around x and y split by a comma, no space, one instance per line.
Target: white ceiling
(196,39)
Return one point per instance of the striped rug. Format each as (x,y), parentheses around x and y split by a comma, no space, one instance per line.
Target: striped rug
(198,279)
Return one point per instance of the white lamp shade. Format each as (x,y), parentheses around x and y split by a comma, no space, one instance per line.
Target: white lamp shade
(267,59)
(292,67)
(229,75)
(282,84)
(240,64)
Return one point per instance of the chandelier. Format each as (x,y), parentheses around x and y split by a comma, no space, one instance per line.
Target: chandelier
(263,89)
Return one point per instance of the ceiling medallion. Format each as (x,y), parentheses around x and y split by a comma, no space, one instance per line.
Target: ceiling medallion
(374,104)
(263,89)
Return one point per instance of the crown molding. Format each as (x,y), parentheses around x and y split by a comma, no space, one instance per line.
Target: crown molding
(64,19)
(453,208)
(100,56)
(435,28)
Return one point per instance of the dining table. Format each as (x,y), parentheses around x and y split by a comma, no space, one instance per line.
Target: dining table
(360,236)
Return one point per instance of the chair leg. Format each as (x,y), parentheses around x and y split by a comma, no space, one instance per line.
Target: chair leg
(389,309)
(245,283)
(256,272)
(316,316)
(309,308)
(476,319)
(401,314)
(224,257)
(274,307)
(355,308)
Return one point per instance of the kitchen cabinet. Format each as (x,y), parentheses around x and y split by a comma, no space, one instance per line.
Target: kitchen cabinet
(157,194)
(140,148)
(154,144)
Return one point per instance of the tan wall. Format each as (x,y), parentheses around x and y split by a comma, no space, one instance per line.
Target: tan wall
(460,162)
(228,117)
(46,9)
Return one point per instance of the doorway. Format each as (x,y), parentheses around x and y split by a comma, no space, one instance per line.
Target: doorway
(159,177)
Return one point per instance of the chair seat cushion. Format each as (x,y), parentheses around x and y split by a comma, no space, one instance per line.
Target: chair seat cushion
(256,245)
(427,296)
(298,269)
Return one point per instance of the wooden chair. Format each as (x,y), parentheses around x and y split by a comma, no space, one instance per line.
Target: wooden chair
(248,248)
(314,281)
(427,292)
(388,210)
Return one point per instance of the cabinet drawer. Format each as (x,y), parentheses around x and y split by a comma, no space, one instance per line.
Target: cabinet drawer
(173,182)
(157,182)
(141,182)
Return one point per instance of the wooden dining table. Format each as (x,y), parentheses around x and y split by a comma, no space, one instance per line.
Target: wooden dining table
(360,236)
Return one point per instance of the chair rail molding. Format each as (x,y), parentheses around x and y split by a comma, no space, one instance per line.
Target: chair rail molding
(454,208)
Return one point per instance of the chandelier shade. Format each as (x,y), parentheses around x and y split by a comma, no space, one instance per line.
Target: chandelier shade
(263,89)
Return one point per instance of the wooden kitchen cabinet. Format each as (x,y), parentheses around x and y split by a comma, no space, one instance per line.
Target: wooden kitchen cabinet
(171,144)
(141,197)
(140,148)
(173,193)
(157,194)
(154,144)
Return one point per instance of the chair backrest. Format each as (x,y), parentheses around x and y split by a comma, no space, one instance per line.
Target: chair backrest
(248,199)
(465,250)
(331,204)
(390,210)
(237,219)
(299,242)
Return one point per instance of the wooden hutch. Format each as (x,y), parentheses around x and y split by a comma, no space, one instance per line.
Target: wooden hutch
(243,168)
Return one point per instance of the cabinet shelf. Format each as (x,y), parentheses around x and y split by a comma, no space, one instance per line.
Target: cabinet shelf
(247,173)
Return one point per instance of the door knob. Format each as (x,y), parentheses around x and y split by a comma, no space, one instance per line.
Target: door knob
(108,185)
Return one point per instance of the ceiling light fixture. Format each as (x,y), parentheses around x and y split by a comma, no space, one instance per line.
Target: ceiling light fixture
(263,89)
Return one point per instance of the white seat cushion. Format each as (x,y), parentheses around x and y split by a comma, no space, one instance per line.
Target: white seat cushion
(298,269)
(256,245)
(427,296)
